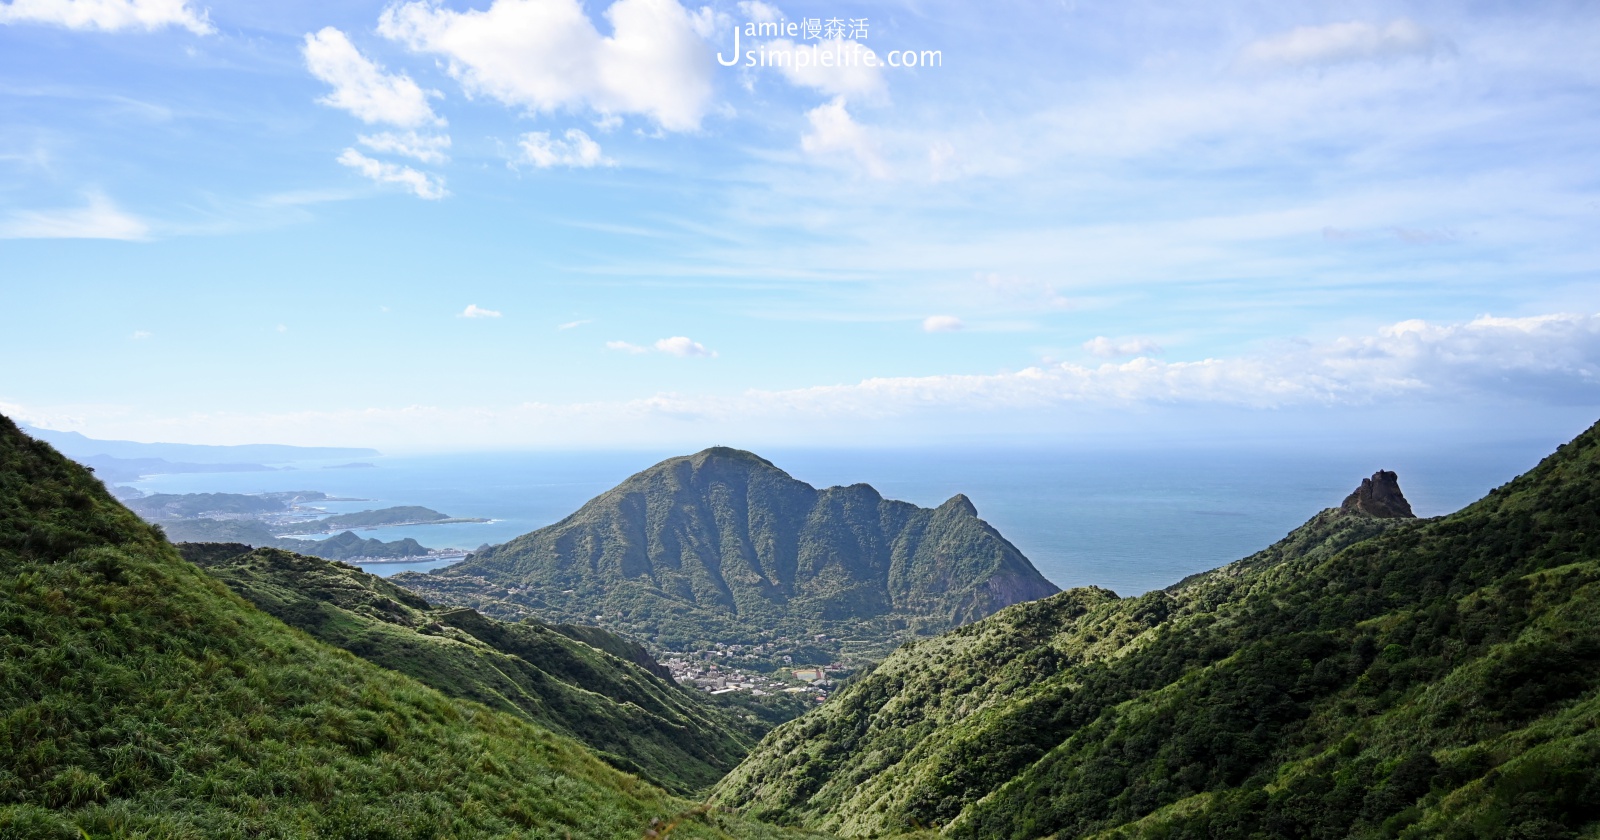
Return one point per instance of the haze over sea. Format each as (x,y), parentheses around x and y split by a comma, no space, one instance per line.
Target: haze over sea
(1127,520)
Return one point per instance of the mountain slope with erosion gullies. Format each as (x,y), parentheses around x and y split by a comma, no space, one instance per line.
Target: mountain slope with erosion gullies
(724,546)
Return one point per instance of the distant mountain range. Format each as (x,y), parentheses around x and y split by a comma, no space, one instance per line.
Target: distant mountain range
(126,460)
(76,446)
(724,546)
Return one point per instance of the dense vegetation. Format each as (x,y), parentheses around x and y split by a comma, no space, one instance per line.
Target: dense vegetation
(618,704)
(139,697)
(722,546)
(163,507)
(1364,677)
(401,515)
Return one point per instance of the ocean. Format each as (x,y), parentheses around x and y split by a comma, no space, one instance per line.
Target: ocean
(1130,520)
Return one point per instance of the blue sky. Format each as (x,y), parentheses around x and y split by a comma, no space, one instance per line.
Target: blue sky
(533,223)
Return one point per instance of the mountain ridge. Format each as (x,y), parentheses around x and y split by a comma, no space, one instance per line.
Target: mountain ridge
(1366,676)
(725,536)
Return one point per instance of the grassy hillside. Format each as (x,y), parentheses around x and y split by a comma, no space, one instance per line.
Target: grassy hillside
(722,546)
(1362,678)
(631,717)
(140,697)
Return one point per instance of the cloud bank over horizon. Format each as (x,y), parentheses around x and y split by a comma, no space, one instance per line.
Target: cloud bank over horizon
(1489,363)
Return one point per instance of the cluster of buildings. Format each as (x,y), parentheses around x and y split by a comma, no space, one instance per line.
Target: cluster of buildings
(713,678)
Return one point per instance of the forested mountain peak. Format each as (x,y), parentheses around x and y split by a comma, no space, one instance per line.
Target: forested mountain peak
(723,545)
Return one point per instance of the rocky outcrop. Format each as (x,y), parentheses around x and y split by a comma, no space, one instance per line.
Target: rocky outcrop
(1380,496)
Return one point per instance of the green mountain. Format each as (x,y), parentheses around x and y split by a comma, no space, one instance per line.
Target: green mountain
(1364,677)
(139,697)
(724,546)
(402,515)
(344,546)
(619,705)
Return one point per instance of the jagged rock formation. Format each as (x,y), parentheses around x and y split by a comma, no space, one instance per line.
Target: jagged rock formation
(1380,496)
(723,545)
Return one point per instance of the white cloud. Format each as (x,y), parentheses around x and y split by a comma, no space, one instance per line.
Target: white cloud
(427,148)
(475,311)
(677,345)
(140,335)
(547,55)
(108,15)
(361,87)
(836,67)
(683,347)
(283,328)
(100,219)
(759,12)
(1337,43)
(941,323)
(419,183)
(1107,348)
(578,150)
(570,325)
(833,130)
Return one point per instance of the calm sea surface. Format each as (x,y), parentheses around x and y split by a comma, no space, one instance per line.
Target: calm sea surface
(1130,521)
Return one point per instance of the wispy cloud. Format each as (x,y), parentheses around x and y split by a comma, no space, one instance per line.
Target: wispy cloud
(99,219)
(1337,43)
(475,311)
(108,15)
(140,335)
(683,347)
(941,323)
(572,325)
(833,130)
(361,87)
(421,184)
(426,148)
(578,150)
(1107,348)
(680,346)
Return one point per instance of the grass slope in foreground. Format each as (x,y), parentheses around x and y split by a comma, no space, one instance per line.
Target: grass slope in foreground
(139,697)
(633,718)
(1362,678)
